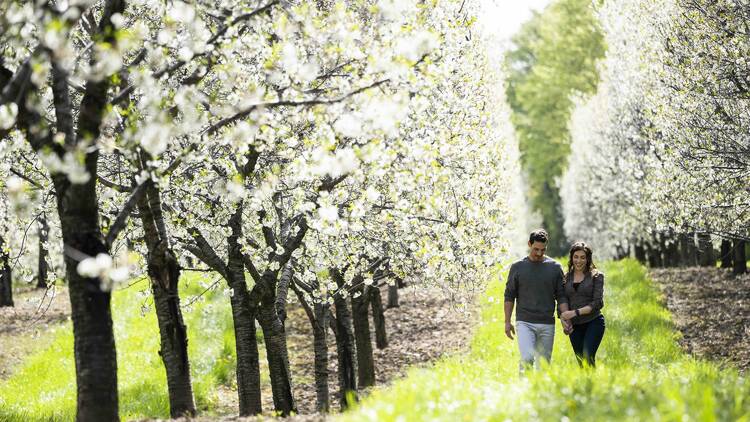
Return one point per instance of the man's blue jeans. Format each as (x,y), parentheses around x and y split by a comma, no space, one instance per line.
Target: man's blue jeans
(534,342)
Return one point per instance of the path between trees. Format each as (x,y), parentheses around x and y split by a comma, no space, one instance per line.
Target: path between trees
(643,374)
(711,308)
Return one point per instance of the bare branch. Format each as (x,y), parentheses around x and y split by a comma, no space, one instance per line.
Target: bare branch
(205,252)
(122,217)
(116,186)
(246,112)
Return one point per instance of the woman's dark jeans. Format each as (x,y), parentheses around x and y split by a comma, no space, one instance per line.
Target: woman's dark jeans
(586,338)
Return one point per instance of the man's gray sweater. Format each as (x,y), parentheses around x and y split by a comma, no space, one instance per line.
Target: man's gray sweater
(535,286)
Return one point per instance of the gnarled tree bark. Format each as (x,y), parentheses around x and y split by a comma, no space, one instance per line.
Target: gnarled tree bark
(164,271)
(378,318)
(317,314)
(362,336)
(342,328)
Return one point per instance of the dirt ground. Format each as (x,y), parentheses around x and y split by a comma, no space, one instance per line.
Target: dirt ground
(28,325)
(711,309)
(423,329)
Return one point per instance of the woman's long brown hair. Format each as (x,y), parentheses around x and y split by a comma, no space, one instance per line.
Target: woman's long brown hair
(580,246)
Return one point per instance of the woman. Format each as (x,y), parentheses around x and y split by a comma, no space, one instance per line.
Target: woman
(584,287)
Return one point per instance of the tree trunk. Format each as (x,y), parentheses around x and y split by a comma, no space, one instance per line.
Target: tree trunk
(243,316)
(361,319)
(6,277)
(686,245)
(317,314)
(164,272)
(78,209)
(321,357)
(672,253)
(740,258)
(621,252)
(345,351)
(393,296)
(662,253)
(94,345)
(243,310)
(727,253)
(682,246)
(651,253)
(173,333)
(706,250)
(246,347)
(640,253)
(378,318)
(42,267)
(274,336)
(692,250)
(282,290)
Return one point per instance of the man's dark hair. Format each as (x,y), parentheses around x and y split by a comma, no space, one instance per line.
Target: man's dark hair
(539,235)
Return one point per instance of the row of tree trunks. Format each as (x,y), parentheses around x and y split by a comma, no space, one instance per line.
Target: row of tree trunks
(687,250)
(640,252)
(341,324)
(692,249)
(266,303)
(733,255)
(6,277)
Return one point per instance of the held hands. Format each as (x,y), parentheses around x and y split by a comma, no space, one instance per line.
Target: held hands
(567,315)
(509,330)
(567,326)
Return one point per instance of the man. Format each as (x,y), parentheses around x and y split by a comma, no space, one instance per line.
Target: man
(535,282)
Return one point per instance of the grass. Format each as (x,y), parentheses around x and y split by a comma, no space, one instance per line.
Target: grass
(44,387)
(642,373)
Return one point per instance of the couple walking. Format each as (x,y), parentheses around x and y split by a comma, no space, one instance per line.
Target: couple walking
(535,283)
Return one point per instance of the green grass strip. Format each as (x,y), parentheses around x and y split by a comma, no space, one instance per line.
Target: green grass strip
(44,388)
(641,374)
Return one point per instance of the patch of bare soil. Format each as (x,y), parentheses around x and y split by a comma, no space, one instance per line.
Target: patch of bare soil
(422,329)
(711,309)
(26,327)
